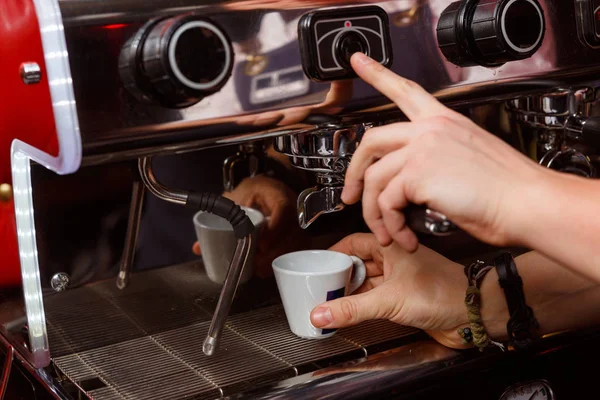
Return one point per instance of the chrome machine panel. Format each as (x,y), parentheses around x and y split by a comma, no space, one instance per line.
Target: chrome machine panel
(137,94)
(267,92)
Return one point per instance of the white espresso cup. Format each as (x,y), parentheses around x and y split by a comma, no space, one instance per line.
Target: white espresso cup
(308,278)
(218,242)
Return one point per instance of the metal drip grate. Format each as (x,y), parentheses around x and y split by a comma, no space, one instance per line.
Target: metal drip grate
(136,369)
(85,320)
(104,393)
(146,342)
(257,347)
(237,359)
(100,314)
(269,329)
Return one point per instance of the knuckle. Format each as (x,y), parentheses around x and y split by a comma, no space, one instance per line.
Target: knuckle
(377,67)
(414,191)
(445,120)
(409,84)
(404,84)
(417,161)
(440,124)
(352,240)
(367,138)
(429,140)
(435,131)
(384,202)
(371,174)
(349,310)
(468,135)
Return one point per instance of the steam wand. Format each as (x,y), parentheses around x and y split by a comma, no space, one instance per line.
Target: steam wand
(242,227)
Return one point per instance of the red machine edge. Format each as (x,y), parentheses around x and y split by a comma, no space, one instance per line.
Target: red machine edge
(25,113)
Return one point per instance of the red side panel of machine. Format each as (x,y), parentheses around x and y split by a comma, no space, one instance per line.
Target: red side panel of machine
(25,110)
(25,113)
(10,273)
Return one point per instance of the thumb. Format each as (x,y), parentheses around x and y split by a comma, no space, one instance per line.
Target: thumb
(351,310)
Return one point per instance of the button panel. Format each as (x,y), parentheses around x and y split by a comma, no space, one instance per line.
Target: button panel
(328,38)
(589,21)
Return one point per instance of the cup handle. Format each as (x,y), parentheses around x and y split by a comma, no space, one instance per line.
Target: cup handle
(360,274)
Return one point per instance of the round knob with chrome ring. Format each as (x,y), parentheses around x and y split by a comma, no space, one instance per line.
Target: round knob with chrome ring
(490,33)
(177,61)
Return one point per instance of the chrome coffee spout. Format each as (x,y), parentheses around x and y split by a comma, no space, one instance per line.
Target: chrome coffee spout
(250,158)
(326,151)
(316,201)
(564,132)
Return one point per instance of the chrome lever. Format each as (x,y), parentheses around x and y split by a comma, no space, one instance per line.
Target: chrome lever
(316,201)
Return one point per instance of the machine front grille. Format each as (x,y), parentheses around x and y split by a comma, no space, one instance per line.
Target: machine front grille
(146,343)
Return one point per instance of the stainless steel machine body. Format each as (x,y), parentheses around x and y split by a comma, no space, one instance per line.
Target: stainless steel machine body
(115,125)
(127,334)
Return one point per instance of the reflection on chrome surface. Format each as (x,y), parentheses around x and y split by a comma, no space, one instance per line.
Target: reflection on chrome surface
(267,98)
(370,376)
(267,92)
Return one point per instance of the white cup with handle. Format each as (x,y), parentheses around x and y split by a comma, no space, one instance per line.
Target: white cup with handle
(308,278)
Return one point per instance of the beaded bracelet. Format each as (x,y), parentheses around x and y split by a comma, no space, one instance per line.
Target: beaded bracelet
(466,335)
(476,333)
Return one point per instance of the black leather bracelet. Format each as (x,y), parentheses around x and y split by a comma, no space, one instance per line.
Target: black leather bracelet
(522,324)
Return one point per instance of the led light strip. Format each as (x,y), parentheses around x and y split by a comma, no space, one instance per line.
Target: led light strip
(68,160)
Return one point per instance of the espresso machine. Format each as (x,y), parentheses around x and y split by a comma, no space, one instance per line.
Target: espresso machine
(121,118)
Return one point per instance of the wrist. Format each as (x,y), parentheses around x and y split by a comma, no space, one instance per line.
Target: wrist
(526,205)
(484,323)
(494,310)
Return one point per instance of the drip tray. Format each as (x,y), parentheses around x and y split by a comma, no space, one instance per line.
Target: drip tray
(146,342)
(257,348)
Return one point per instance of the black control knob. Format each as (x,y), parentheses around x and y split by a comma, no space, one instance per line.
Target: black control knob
(490,32)
(347,44)
(177,61)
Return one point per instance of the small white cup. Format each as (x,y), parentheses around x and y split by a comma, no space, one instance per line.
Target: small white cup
(218,242)
(308,278)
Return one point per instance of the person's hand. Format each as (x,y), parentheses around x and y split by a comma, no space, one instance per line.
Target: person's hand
(423,289)
(440,159)
(426,290)
(281,233)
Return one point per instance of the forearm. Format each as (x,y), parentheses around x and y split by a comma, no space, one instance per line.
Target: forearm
(559,217)
(560,299)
